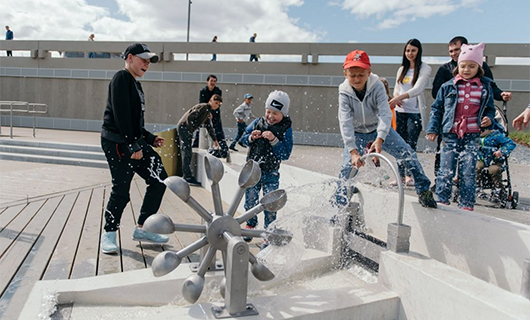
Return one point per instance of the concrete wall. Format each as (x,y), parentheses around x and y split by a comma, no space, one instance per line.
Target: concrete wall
(75,89)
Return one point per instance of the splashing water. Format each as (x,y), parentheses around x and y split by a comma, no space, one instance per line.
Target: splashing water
(155,170)
(49,305)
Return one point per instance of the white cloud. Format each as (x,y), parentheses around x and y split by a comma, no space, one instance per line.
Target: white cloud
(392,13)
(156,20)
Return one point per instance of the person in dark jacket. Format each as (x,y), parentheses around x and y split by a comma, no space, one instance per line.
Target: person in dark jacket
(9,36)
(128,148)
(445,73)
(205,95)
(270,139)
(193,118)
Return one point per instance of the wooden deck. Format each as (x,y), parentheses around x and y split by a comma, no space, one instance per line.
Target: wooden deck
(58,238)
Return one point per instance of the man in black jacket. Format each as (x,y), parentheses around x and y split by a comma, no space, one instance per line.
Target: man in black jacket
(205,95)
(128,148)
(445,73)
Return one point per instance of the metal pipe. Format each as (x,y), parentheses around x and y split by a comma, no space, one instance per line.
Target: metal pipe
(189,19)
(250,213)
(398,179)
(193,247)
(217,200)
(235,202)
(199,209)
(189,228)
(205,263)
(255,233)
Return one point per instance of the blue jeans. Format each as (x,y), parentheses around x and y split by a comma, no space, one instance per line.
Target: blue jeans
(270,181)
(396,147)
(464,151)
(408,126)
(240,130)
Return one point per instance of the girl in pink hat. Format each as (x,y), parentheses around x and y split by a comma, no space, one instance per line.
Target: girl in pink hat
(463,105)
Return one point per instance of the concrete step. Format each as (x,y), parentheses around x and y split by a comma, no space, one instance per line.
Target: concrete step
(52,152)
(54,160)
(51,145)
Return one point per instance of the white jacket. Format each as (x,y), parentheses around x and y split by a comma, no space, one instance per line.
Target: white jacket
(417,90)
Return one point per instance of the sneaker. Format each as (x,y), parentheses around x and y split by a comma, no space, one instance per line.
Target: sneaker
(140,234)
(192,181)
(426,199)
(467,208)
(241,145)
(248,239)
(108,242)
(233,149)
(443,203)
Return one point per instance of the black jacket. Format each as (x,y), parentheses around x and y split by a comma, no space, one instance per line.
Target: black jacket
(204,96)
(261,150)
(445,73)
(123,118)
(196,116)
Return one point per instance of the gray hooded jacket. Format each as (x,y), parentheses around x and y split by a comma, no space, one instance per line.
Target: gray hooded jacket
(372,114)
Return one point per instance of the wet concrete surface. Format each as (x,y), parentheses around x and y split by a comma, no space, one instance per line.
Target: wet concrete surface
(22,180)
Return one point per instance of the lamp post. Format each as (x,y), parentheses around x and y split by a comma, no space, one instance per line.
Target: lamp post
(188,36)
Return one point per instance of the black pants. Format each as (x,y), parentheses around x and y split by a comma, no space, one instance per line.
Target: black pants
(437,155)
(122,169)
(185,150)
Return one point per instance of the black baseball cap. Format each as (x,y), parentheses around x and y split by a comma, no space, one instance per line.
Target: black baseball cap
(140,50)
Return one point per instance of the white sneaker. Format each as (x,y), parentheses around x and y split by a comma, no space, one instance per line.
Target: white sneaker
(140,234)
(108,242)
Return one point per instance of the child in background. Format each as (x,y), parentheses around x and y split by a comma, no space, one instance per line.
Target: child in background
(243,113)
(270,139)
(191,120)
(387,89)
(463,105)
(495,147)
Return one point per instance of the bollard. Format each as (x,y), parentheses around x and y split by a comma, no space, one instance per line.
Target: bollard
(398,238)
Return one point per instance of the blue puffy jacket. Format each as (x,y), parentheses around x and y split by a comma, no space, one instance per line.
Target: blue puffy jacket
(492,142)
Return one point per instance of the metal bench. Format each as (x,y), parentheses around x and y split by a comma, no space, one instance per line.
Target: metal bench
(21,107)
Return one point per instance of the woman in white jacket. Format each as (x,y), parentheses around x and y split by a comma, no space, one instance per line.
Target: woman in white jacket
(409,100)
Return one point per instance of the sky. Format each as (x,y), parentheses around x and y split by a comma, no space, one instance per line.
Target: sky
(334,21)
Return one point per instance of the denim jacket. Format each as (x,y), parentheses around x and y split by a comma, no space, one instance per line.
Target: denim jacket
(443,108)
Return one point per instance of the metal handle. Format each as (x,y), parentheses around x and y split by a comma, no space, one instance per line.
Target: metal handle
(398,179)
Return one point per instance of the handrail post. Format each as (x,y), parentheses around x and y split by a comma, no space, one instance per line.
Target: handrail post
(11,121)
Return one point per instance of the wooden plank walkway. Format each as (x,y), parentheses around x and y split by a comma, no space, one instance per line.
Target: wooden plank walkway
(58,238)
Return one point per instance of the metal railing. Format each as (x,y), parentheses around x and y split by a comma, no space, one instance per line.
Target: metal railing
(22,107)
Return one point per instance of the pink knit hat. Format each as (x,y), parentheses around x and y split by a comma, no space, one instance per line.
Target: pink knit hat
(473,53)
